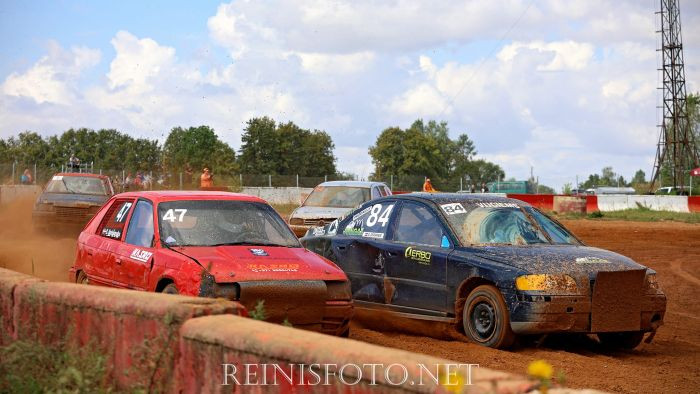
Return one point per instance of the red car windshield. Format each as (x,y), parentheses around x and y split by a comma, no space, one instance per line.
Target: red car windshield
(222,222)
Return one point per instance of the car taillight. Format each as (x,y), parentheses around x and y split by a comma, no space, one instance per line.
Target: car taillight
(338,290)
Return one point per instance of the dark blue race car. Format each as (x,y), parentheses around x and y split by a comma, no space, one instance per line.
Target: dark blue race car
(493,266)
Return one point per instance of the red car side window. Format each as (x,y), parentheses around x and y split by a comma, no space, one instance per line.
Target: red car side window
(112,225)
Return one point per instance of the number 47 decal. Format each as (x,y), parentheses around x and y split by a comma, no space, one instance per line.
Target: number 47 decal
(170,215)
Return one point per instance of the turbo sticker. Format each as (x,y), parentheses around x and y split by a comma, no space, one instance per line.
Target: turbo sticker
(420,256)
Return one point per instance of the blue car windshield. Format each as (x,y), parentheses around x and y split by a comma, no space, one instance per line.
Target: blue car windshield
(503,224)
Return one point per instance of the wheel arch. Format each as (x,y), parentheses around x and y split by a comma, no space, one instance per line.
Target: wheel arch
(462,292)
(162,282)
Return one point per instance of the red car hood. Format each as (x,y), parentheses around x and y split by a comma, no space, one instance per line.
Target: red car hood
(246,263)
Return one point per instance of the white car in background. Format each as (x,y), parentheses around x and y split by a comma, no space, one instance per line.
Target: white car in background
(332,200)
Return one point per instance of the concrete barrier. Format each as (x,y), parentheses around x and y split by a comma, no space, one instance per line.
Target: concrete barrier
(9,193)
(541,201)
(207,347)
(136,331)
(694,204)
(279,195)
(569,204)
(613,202)
(165,343)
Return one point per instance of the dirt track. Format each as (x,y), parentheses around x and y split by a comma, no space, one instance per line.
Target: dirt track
(670,364)
(47,256)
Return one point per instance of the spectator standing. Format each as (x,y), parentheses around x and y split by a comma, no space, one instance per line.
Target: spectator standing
(207,179)
(428,186)
(26,178)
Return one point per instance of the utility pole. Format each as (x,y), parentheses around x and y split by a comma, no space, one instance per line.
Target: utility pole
(676,150)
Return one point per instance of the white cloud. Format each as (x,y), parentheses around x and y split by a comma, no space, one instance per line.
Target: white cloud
(567,55)
(335,64)
(50,79)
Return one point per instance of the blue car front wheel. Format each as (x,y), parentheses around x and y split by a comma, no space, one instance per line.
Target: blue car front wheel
(485,318)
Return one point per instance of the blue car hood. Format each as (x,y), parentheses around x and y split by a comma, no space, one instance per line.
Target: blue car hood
(543,259)
(71,199)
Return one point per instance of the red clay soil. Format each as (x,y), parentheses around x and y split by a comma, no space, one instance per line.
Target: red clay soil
(671,363)
(47,256)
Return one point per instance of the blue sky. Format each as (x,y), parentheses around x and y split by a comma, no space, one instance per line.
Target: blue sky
(569,89)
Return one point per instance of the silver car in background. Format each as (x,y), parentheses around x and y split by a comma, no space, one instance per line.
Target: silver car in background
(332,200)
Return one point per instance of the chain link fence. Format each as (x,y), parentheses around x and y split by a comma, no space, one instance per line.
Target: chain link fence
(11,173)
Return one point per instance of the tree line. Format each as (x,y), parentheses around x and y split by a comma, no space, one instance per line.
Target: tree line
(268,147)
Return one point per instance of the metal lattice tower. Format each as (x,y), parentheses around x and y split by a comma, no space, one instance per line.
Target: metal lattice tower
(676,149)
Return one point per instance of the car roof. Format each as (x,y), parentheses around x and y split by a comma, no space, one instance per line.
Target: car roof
(366,184)
(466,198)
(81,174)
(178,195)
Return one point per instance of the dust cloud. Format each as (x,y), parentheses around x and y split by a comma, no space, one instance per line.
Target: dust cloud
(48,256)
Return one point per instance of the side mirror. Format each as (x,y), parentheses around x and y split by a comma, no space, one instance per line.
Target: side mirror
(445,243)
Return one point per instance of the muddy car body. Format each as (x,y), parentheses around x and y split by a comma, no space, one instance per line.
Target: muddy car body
(495,267)
(332,200)
(213,244)
(70,200)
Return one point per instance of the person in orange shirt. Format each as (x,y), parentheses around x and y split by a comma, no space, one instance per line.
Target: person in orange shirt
(207,179)
(428,187)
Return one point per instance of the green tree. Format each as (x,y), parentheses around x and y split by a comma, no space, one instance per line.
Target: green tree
(196,147)
(566,189)
(285,149)
(639,177)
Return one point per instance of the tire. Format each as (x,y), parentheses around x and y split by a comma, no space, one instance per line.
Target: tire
(621,340)
(170,289)
(82,279)
(486,318)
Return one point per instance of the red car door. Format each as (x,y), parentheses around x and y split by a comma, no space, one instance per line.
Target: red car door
(109,235)
(135,254)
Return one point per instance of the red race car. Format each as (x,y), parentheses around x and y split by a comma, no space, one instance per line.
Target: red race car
(213,244)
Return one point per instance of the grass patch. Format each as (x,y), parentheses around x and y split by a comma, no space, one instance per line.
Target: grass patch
(641,214)
(31,367)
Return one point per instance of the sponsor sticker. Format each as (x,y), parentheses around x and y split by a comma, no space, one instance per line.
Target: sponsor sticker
(420,256)
(111,233)
(333,227)
(259,252)
(591,260)
(273,267)
(57,177)
(497,205)
(141,255)
(361,213)
(369,234)
(453,209)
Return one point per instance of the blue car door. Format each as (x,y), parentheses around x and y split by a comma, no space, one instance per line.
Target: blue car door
(358,248)
(416,259)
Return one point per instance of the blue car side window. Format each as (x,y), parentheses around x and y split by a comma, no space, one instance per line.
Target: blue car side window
(418,225)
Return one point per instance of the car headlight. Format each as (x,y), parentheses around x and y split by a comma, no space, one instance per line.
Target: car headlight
(561,282)
(652,284)
(338,290)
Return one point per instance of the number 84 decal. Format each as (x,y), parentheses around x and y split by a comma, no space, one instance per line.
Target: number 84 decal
(377,215)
